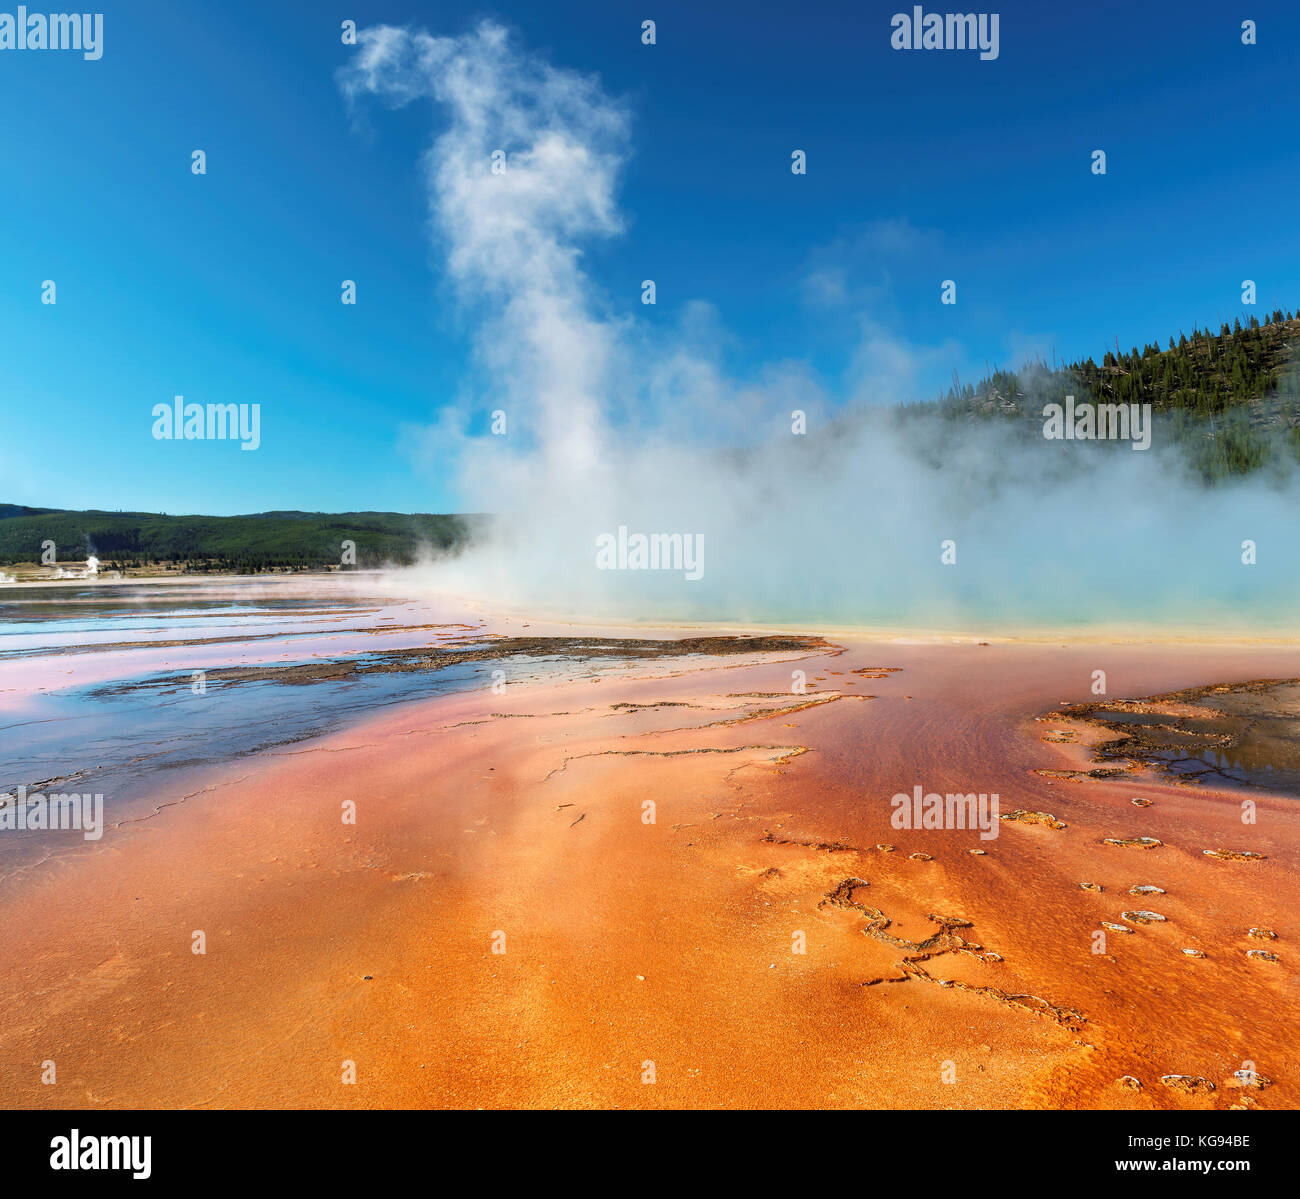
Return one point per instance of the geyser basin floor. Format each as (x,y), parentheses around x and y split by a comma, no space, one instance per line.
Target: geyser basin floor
(1242,734)
(665,950)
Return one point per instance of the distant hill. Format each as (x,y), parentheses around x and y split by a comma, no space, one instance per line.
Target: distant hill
(1230,400)
(261,541)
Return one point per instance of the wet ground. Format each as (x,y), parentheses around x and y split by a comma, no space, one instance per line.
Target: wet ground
(126,690)
(1244,735)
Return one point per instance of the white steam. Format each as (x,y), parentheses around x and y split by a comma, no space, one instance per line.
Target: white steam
(610,424)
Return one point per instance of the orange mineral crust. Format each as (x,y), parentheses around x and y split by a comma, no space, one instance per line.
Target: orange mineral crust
(680,886)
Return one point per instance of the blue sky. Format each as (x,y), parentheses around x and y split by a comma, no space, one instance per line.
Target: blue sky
(921,166)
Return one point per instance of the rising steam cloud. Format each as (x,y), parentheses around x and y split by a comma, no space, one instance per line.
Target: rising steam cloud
(610,424)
